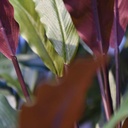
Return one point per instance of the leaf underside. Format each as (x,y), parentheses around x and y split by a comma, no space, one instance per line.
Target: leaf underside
(59,27)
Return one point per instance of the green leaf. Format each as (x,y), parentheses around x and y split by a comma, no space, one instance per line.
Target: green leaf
(33,31)
(12,83)
(121,114)
(59,27)
(8,116)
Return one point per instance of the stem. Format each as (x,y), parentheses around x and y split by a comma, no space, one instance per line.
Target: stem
(20,77)
(65,72)
(103,95)
(117,79)
(117,82)
(107,90)
(106,96)
(16,65)
(116,14)
(117,54)
(97,25)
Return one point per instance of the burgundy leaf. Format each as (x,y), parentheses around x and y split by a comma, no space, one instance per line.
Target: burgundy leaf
(9,29)
(61,105)
(85,14)
(120,21)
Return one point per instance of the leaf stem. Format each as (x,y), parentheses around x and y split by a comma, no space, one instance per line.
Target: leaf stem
(116,14)
(117,54)
(105,89)
(103,96)
(21,80)
(16,65)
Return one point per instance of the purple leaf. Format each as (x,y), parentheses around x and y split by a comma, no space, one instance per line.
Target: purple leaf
(84,16)
(120,22)
(9,29)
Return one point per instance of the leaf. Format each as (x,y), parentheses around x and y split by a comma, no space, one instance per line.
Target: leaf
(61,105)
(120,21)
(9,29)
(92,18)
(8,116)
(121,114)
(33,31)
(59,27)
(12,83)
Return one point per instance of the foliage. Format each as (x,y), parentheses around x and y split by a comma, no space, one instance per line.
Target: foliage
(61,104)
(85,14)
(121,114)
(49,29)
(62,33)
(8,116)
(34,33)
(9,29)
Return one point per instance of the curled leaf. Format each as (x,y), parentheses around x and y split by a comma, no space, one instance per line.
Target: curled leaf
(9,29)
(62,105)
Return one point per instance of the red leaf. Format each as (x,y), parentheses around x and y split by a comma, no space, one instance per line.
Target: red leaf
(60,106)
(9,29)
(121,22)
(84,16)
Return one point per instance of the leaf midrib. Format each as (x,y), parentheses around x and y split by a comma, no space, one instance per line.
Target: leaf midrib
(27,13)
(61,29)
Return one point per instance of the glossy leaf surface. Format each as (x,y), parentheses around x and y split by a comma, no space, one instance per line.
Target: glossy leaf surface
(59,27)
(85,14)
(9,29)
(33,31)
(61,105)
